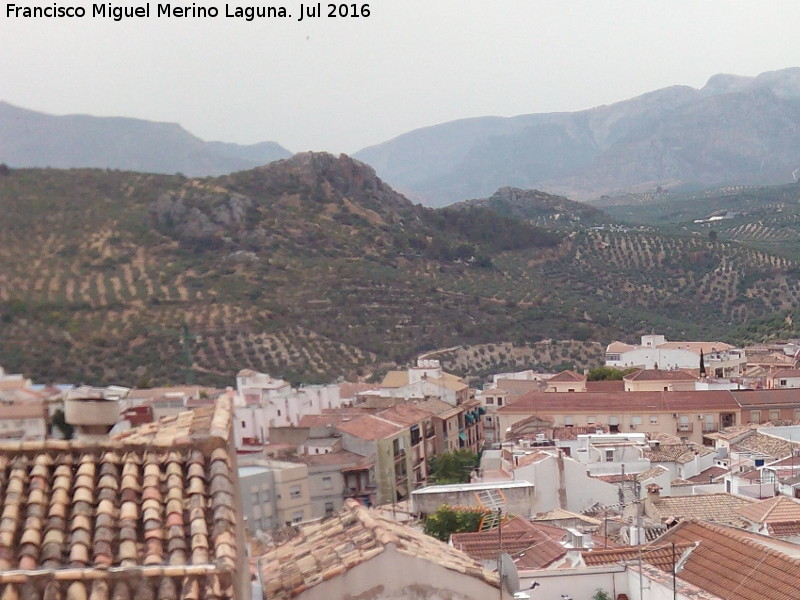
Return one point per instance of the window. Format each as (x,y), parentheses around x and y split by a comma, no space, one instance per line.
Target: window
(636,420)
(328,508)
(755,416)
(244,424)
(653,419)
(613,420)
(591,420)
(255,499)
(666,388)
(327,483)
(279,412)
(489,400)
(499,402)
(488,420)
(294,491)
(783,383)
(297,517)
(774,415)
(569,421)
(613,356)
(609,456)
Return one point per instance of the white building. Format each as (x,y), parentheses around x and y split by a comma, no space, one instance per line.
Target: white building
(655,352)
(265,402)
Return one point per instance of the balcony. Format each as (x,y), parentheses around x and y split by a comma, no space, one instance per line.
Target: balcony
(709,427)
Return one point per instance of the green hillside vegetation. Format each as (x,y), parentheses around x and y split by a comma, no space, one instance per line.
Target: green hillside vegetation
(312,268)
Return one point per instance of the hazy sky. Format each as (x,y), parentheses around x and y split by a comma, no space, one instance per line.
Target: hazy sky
(340,84)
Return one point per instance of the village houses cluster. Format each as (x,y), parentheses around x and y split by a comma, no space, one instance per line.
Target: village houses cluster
(681,480)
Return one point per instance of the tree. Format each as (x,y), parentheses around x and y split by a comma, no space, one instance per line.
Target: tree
(601,594)
(453,467)
(607,374)
(58,420)
(453,519)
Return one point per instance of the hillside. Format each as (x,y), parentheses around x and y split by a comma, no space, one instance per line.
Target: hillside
(33,139)
(312,267)
(539,208)
(735,130)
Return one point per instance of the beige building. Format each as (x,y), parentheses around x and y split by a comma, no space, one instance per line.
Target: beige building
(687,415)
(360,554)
(656,380)
(566,381)
(274,494)
(23,421)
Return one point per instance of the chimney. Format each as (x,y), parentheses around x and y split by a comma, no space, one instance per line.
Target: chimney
(653,492)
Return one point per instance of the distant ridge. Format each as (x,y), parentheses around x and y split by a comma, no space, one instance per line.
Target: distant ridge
(734,130)
(34,139)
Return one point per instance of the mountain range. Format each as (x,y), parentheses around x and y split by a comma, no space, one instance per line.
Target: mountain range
(33,139)
(735,130)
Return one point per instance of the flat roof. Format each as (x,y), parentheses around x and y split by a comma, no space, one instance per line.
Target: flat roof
(474,487)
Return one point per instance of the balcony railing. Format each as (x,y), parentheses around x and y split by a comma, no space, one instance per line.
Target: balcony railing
(707,427)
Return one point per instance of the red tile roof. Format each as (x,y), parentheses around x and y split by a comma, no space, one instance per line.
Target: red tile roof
(531,545)
(584,402)
(566,377)
(149,514)
(779,509)
(659,375)
(608,385)
(657,554)
(735,564)
(370,427)
(350,538)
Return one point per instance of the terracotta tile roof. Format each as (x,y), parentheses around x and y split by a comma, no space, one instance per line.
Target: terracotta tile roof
(710,474)
(659,375)
(331,418)
(767,445)
(696,347)
(370,427)
(405,414)
(737,565)
(348,539)
(619,347)
(657,554)
(439,408)
(779,509)
(719,508)
(139,516)
(566,377)
(583,402)
(529,459)
(773,398)
(531,545)
(679,453)
(784,373)
(609,385)
(395,379)
(731,433)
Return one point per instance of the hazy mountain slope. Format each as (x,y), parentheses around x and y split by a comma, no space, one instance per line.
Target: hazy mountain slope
(733,130)
(32,139)
(539,208)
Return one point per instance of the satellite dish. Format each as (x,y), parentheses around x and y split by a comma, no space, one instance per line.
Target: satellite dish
(509,577)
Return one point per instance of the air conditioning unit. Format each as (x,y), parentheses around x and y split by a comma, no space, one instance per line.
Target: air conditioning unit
(674,415)
(699,417)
